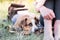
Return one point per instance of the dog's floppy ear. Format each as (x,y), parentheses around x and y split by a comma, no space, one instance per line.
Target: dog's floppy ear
(36,20)
(24,22)
(25,19)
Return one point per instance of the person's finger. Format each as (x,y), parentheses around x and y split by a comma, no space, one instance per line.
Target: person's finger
(53,14)
(46,17)
(50,16)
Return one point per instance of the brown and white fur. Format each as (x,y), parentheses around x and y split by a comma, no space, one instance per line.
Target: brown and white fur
(27,22)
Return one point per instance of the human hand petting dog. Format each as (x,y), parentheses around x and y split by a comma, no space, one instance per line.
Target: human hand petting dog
(47,13)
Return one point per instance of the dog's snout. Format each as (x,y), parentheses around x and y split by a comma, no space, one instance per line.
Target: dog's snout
(34,28)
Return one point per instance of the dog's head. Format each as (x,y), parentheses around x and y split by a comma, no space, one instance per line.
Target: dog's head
(27,23)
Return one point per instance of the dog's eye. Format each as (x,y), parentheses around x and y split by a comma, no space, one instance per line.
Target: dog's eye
(30,24)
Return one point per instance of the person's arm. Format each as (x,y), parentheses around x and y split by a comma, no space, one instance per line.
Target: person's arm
(47,13)
(39,3)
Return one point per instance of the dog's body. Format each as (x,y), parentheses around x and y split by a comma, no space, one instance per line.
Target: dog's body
(26,21)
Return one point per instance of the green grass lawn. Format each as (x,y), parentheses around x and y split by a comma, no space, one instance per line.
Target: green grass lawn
(5,35)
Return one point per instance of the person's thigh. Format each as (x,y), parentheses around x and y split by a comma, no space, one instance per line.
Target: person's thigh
(48,4)
(57,9)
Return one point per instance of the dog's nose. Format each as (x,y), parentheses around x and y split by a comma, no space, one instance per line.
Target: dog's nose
(36,29)
(33,29)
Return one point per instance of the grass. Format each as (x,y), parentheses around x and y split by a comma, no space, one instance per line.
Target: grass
(5,35)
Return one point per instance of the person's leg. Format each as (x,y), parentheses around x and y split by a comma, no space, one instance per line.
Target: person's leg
(47,23)
(57,30)
(57,22)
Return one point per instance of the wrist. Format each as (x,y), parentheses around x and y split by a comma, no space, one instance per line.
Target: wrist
(42,7)
(48,22)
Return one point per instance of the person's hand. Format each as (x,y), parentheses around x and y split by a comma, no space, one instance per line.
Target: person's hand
(47,13)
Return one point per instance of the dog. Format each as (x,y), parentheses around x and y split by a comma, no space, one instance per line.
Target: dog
(27,22)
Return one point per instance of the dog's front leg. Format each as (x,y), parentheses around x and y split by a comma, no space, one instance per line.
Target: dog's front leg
(48,35)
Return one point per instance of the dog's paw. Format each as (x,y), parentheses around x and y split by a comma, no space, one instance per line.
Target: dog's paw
(48,38)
